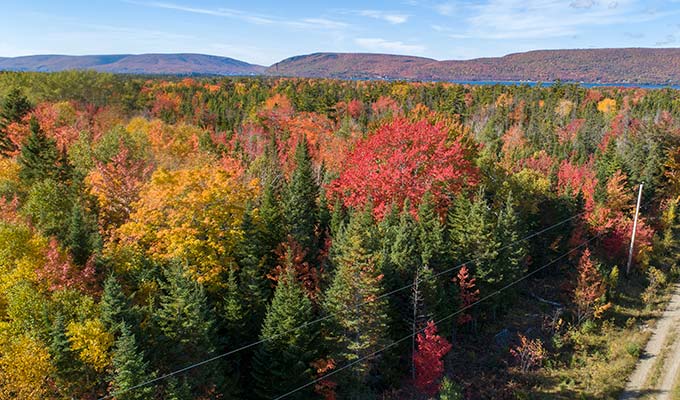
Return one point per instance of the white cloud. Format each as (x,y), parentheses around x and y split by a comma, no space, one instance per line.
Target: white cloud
(382,45)
(582,3)
(446,9)
(391,17)
(536,19)
(253,18)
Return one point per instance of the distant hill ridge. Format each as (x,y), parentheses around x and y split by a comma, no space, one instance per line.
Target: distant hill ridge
(626,65)
(135,64)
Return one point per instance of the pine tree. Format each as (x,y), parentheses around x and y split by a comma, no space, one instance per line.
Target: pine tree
(233,309)
(283,362)
(253,290)
(404,254)
(271,215)
(359,322)
(510,258)
(115,307)
(129,368)
(186,324)
(79,238)
(12,109)
(472,237)
(39,155)
(66,363)
(430,230)
(300,207)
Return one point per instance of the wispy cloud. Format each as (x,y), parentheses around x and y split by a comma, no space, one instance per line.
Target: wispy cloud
(383,45)
(253,18)
(391,17)
(582,3)
(669,39)
(447,8)
(534,19)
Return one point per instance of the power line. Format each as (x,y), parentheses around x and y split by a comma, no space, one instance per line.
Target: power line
(326,317)
(409,336)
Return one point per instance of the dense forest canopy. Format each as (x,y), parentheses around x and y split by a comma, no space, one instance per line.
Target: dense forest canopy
(378,231)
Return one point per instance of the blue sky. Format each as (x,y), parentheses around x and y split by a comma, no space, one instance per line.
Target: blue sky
(267,31)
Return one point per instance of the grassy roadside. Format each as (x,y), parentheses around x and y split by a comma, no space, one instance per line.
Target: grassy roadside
(595,360)
(657,369)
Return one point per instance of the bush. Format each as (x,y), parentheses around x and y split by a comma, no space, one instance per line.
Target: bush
(633,349)
(449,390)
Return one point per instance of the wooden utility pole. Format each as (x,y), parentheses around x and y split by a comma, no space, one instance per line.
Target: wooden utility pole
(632,237)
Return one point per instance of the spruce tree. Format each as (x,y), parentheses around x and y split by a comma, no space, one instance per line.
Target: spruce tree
(39,155)
(12,109)
(472,238)
(283,362)
(67,365)
(431,235)
(129,368)
(359,323)
(79,237)
(508,231)
(252,258)
(300,207)
(115,307)
(187,326)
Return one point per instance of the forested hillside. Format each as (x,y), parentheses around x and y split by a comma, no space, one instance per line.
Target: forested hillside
(328,239)
(632,65)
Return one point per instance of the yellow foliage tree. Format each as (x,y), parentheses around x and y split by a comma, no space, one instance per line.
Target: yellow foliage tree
(25,368)
(607,106)
(193,215)
(92,343)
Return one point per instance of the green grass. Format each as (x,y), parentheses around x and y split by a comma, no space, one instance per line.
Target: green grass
(597,359)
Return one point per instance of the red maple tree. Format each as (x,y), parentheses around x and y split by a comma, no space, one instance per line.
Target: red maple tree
(467,291)
(404,160)
(428,359)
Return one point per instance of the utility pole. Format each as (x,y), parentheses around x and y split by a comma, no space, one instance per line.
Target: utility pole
(632,237)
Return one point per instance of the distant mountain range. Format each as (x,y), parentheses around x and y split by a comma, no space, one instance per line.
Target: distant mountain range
(135,64)
(628,65)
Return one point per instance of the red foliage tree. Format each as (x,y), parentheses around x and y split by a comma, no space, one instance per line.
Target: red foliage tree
(325,387)
(404,160)
(467,291)
(61,273)
(116,186)
(291,254)
(589,290)
(573,179)
(428,359)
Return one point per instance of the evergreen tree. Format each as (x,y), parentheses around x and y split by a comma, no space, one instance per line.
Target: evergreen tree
(252,258)
(80,235)
(271,215)
(510,258)
(39,155)
(115,307)
(359,322)
(67,365)
(472,237)
(129,368)
(300,207)
(187,327)
(282,363)
(12,109)
(431,239)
